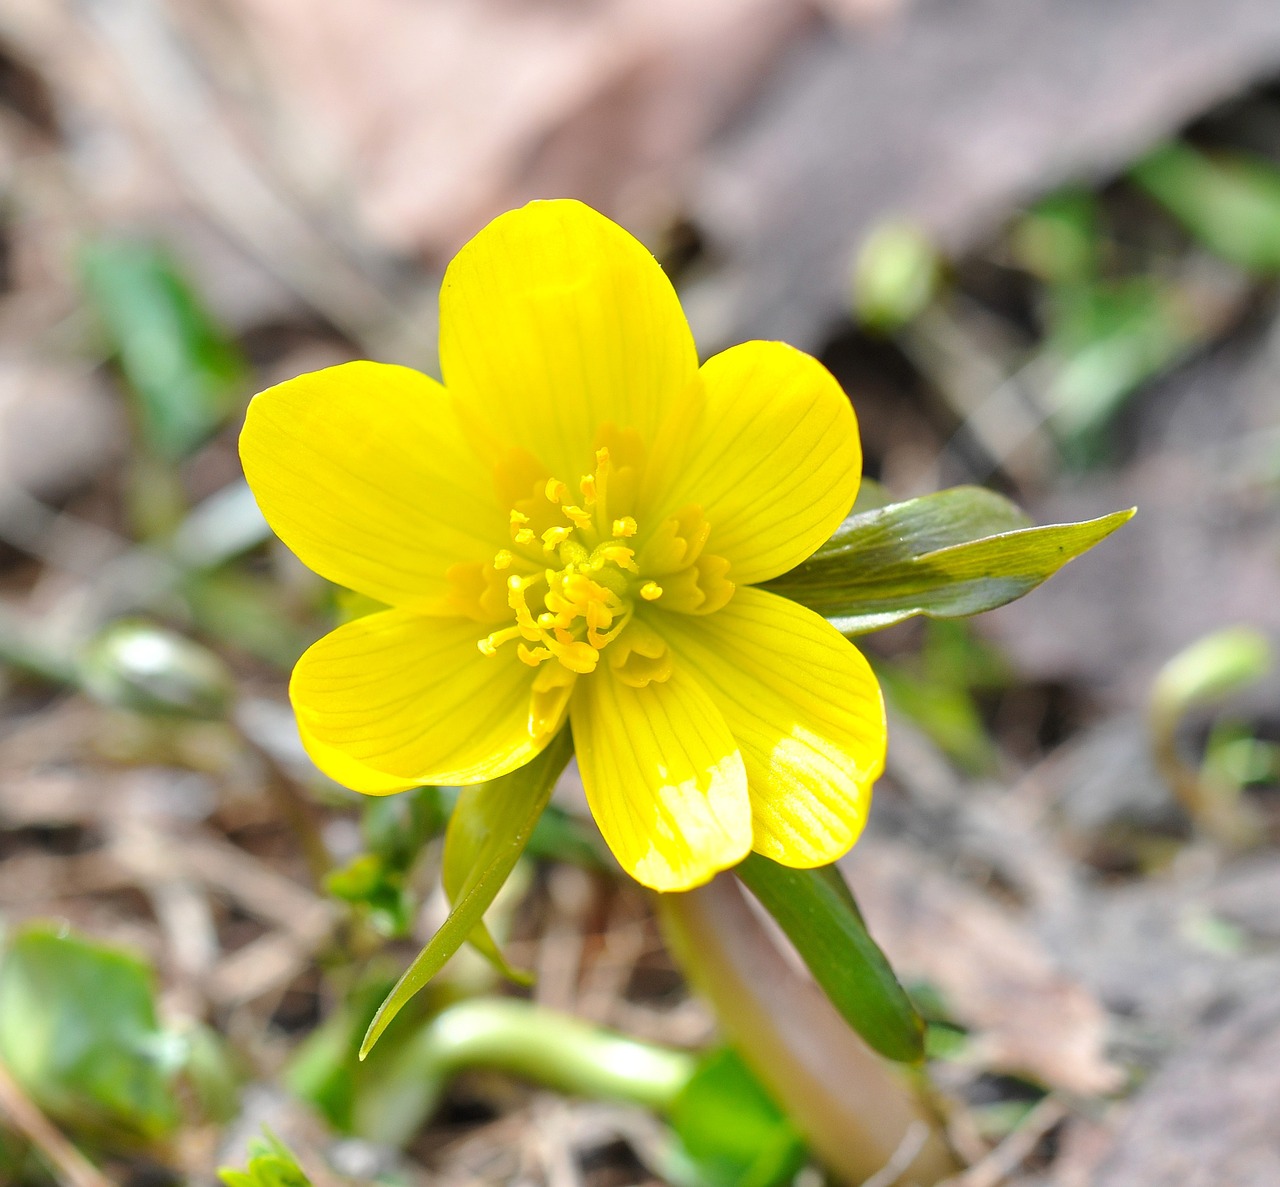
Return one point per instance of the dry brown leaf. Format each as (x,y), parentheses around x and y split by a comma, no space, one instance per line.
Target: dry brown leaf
(441,115)
(1211,1116)
(1028,1017)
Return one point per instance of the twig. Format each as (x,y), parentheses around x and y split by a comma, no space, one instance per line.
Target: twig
(1015,1149)
(72,1167)
(913,1141)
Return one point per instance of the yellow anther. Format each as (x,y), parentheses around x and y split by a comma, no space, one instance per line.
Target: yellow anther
(583,599)
(618,554)
(552,538)
(579,657)
(489,645)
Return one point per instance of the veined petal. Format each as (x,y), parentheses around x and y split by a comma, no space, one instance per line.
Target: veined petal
(362,471)
(767,445)
(396,699)
(805,711)
(663,777)
(555,321)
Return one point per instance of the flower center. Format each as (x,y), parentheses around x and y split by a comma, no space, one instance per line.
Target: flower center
(583,599)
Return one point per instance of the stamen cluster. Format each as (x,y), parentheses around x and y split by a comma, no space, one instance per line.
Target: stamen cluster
(588,600)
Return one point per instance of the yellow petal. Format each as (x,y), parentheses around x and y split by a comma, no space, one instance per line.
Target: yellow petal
(663,777)
(362,470)
(555,321)
(806,712)
(769,450)
(395,699)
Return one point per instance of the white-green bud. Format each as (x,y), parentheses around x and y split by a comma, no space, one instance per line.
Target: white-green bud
(134,665)
(895,276)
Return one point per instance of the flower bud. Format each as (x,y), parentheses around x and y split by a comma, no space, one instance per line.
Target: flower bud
(1211,668)
(894,277)
(133,665)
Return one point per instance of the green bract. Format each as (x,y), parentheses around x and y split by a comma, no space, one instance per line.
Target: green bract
(955,553)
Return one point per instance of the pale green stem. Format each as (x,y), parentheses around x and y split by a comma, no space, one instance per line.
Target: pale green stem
(525,1040)
(858,1113)
(1216,809)
(550,1048)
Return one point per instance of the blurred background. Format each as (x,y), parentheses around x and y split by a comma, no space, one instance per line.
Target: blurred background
(1036,240)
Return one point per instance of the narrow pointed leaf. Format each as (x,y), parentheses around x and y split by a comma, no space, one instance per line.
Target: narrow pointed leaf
(182,369)
(482,812)
(816,910)
(955,553)
(1229,201)
(529,788)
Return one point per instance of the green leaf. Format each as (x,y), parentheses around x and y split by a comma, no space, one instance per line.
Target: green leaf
(210,1071)
(1057,239)
(246,611)
(526,792)
(1109,339)
(955,553)
(817,911)
(730,1129)
(482,812)
(326,1070)
(935,688)
(396,827)
(78,1030)
(1230,201)
(564,837)
(271,1164)
(181,368)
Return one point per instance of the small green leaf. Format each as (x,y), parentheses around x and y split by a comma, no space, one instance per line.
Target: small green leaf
(1106,341)
(181,368)
(246,611)
(817,912)
(955,553)
(935,688)
(78,1030)
(526,792)
(1057,239)
(1229,201)
(730,1128)
(564,837)
(271,1164)
(1211,668)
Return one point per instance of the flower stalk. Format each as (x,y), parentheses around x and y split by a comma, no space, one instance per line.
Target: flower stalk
(857,1113)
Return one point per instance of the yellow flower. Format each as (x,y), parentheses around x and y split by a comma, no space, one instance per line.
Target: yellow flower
(570,529)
